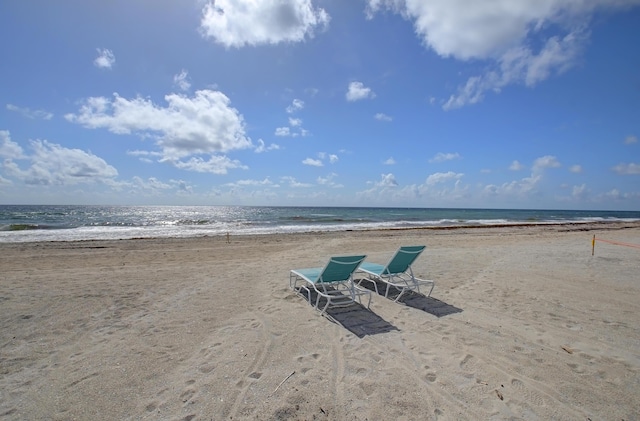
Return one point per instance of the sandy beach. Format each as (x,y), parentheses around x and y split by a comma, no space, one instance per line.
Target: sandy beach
(523,323)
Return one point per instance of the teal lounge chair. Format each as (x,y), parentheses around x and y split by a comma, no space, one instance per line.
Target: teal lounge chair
(397,273)
(334,283)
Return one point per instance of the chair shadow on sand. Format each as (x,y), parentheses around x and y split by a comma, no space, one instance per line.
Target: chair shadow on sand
(357,319)
(416,300)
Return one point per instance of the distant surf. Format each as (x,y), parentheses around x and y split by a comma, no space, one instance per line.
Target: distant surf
(70,223)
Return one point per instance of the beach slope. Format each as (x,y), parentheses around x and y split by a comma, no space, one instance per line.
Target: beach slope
(523,323)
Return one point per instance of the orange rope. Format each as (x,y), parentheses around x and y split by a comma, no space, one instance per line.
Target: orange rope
(619,243)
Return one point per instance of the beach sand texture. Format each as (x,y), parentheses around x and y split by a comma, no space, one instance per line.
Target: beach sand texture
(523,323)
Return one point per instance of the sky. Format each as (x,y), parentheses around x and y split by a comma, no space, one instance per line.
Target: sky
(400,103)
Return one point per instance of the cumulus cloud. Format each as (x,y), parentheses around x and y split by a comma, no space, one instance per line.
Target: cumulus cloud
(629,140)
(153,186)
(387,180)
(295,122)
(296,105)
(627,169)
(580,192)
(283,131)
(313,162)
(358,91)
(216,164)
(516,166)
(504,33)
(522,65)
(322,156)
(440,187)
(527,185)
(522,187)
(52,164)
(105,60)
(249,182)
(442,177)
(546,161)
(329,181)
(292,182)
(389,161)
(382,117)
(203,124)
(181,80)
(149,185)
(575,169)
(262,147)
(29,113)
(237,23)
(8,148)
(442,157)
(295,129)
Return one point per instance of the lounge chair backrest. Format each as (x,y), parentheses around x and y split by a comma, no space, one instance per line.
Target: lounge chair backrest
(340,268)
(403,259)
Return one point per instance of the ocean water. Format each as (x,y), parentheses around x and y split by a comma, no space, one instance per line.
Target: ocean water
(71,223)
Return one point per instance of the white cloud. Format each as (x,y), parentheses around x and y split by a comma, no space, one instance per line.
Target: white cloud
(29,113)
(153,187)
(52,164)
(442,177)
(522,187)
(295,122)
(313,162)
(503,33)
(629,140)
(543,162)
(358,91)
(575,169)
(331,157)
(627,169)
(387,180)
(264,148)
(526,186)
(296,105)
(295,129)
(283,131)
(390,161)
(236,23)
(516,166)
(8,148)
(151,184)
(329,181)
(146,156)
(616,194)
(521,65)
(216,164)
(265,182)
(204,123)
(580,192)
(105,59)
(292,182)
(382,117)
(442,157)
(439,187)
(181,80)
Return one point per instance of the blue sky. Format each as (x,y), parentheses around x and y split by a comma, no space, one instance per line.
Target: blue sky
(432,103)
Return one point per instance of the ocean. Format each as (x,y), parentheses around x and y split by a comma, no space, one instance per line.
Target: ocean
(72,223)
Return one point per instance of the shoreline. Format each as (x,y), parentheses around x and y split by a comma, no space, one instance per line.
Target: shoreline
(555,226)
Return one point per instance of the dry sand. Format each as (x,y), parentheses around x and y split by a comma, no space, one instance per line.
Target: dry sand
(524,323)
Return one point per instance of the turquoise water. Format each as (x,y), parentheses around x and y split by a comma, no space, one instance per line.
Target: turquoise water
(68,223)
